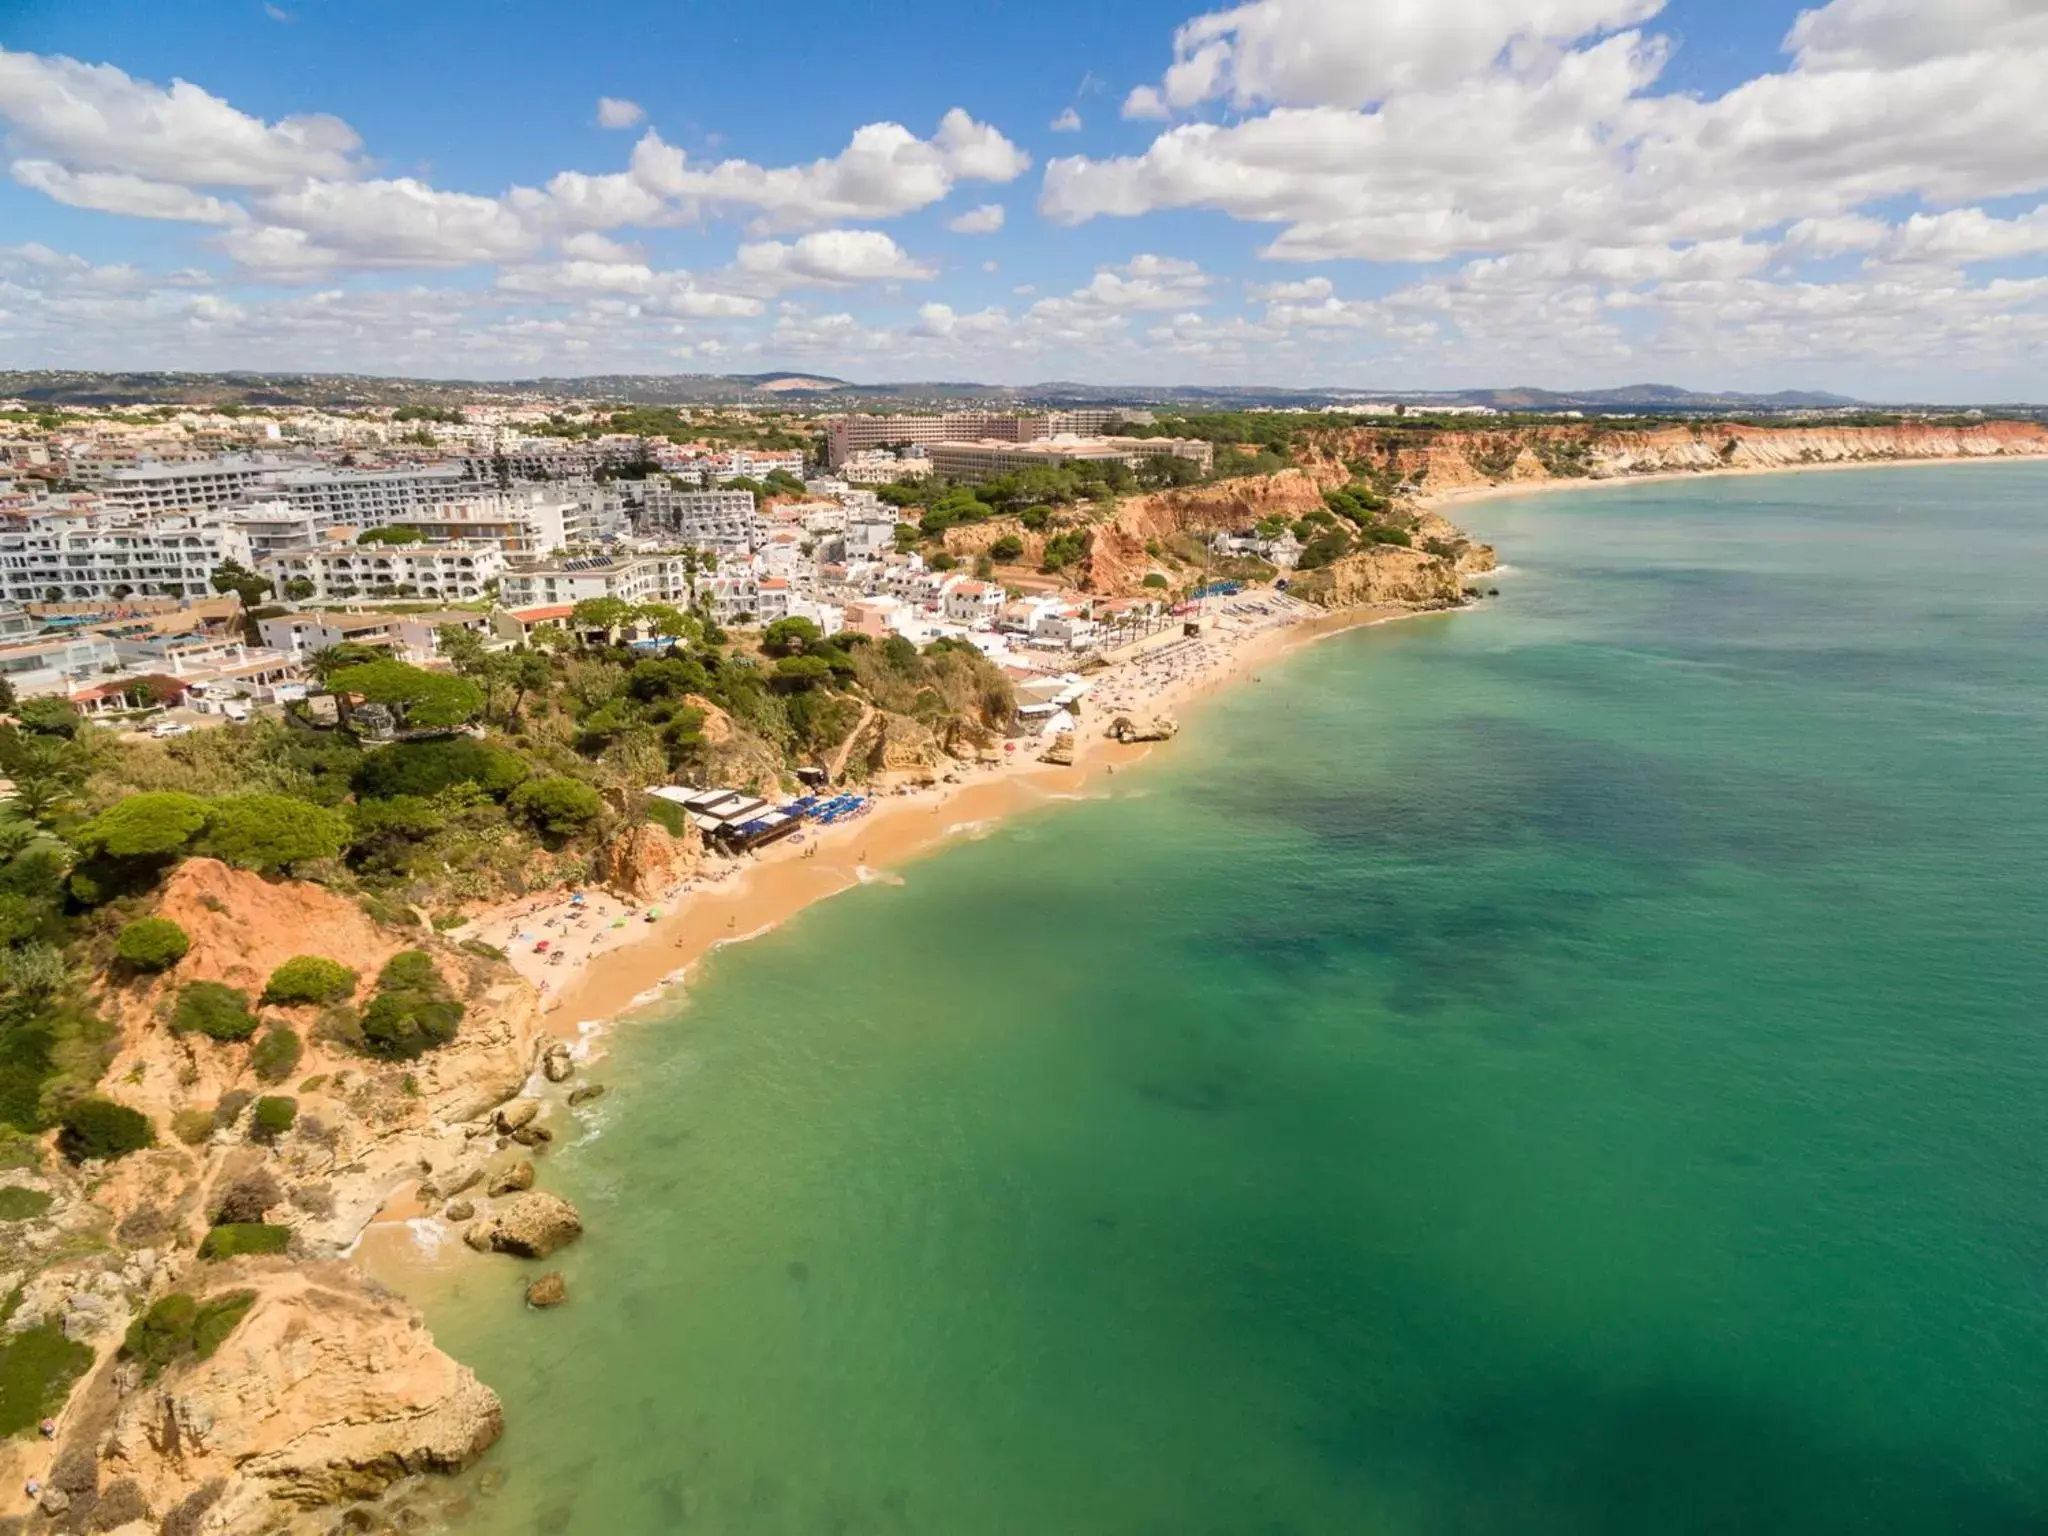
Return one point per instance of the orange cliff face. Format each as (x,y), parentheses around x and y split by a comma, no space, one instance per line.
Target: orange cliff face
(1460,460)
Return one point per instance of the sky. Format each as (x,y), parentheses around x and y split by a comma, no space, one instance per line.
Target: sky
(1356,194)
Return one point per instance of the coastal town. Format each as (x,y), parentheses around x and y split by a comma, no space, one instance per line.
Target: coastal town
(365,767)
(158,562)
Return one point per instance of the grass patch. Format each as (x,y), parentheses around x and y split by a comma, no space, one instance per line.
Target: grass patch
(242,1237)
(37,1370)
(20,1203)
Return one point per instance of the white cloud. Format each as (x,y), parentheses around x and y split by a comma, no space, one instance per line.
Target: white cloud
(400,223)
(616,112)
(884,171)
(95,117)
(1145,104)
(118,192)
(1411,132)
(829,258)
(1069,121)
(591,246)
(1339,53)
(985,220)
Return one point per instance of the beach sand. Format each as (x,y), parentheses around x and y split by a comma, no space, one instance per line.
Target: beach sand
(609,968)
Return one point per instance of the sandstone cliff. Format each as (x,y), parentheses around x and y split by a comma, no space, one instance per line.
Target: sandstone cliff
(328,1387)
(1384,576)
(1117,561)
(1450,461)
(645,860)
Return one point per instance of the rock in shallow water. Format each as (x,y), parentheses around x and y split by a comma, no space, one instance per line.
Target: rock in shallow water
(534,1225)
(547,1291)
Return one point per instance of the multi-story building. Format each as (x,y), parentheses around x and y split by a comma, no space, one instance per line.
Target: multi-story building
(452,572)
(724,522)
(194,485)
(367,498)
(108,556)
(656,578)
(850,436)
(275,527)
(870,532)
(992,457)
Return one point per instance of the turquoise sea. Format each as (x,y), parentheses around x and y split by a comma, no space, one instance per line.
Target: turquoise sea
(1573,1068)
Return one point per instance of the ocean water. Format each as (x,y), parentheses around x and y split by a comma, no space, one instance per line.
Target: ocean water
(1573,1067)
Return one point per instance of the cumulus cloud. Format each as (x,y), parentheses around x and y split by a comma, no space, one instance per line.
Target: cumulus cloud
(985,220)
(884,171)
(1411,132)
(95,117)
(1069,121)
(829,258)
(119,192)
(616,112)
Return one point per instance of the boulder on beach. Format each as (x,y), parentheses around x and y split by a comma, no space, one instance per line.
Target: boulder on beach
(515,1180)
(1128,731)
(517,1115)
(1061,752)
(556,1064)
(547,1291)
(534,1225)
(535,1136)
(459,1210)
(585,1094)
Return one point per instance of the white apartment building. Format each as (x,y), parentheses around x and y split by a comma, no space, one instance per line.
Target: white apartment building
(105,557)
(875,468)
(724,522)
(366,498)
(195,485)
(655,578)
(993,457)
(971,602)
(529,521)
(454,572)
(850,436)
(870,532)
(275,527)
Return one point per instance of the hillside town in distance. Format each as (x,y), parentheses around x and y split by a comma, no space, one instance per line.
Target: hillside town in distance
(167,564)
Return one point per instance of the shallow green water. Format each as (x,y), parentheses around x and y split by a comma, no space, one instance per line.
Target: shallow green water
(1576,1067)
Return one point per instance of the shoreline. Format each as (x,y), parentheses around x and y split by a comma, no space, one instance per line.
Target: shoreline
(1436,501)
(406,1243)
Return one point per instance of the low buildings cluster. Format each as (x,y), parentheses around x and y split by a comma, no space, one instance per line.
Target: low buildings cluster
(113,537)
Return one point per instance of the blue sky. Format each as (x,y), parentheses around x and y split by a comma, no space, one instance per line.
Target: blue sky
(1355,193)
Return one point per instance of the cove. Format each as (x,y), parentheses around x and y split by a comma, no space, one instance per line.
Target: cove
(1571,1067)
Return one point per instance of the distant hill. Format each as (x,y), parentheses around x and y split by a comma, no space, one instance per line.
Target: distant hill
(810,390)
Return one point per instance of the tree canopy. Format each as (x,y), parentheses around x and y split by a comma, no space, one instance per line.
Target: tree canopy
(421,698)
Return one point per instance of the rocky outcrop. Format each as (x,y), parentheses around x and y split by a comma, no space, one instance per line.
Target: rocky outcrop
(900,750)
(646,860)
(328,1389)
(548,1291)
(1117,561)
(1384,576)
(1128,731)
(528,1226)
(1059,751)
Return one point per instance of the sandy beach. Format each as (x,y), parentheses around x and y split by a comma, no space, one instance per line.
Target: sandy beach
(605,953)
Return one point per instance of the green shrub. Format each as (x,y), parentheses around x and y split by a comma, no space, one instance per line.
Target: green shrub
(425,768)
(217,1319)
(276,1055)
(274,1116)
(483,951)
(176,1326)
(240,1237)
(151,944)
(191,1126)
(217,1011)
(271,833)
(1154,579)
(558,805)
(20,1203)
(667,815)
(309,979)
(153,825)
(37,1368)
(162,1333)
(100,1128)
(413,1011)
